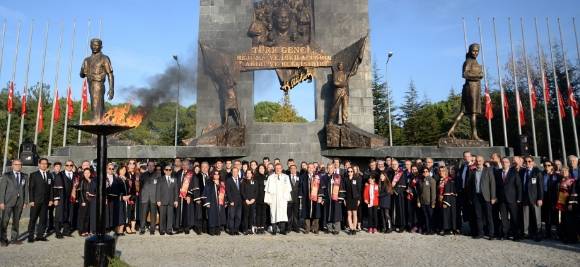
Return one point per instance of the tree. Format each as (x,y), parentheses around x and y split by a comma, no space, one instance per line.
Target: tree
(380,104)
(267,111)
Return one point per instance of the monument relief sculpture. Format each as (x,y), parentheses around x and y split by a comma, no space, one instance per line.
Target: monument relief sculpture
(96,68)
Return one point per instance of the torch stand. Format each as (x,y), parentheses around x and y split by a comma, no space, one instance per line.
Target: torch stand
(100,248)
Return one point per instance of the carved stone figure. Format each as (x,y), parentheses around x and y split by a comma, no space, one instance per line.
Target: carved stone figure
(96,68)
(471,93)
(340,82)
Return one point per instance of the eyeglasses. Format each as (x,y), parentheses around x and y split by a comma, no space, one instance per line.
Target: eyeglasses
(548,165)
(110,169)
(529,161)
(68,165)
(167,169)
(350,171)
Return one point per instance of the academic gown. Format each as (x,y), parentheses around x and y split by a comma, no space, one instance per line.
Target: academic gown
(334,207)
(399,200)
(309,209)
(277,193)
(216,213)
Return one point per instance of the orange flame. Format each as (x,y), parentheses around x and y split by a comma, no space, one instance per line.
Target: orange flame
(119,116)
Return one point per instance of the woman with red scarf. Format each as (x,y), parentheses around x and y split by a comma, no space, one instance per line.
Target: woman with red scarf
(446,195)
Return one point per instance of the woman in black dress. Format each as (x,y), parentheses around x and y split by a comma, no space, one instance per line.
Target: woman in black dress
(132,189)
(262,209)
(385,198)
(352,200)
(123,220)
(86,196)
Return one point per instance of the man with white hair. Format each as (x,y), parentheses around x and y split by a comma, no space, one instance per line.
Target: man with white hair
(573,165)
(277,194)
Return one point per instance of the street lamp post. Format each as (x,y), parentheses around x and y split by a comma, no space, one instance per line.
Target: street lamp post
(177,105)
(389,55)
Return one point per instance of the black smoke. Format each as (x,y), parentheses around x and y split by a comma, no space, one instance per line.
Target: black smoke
(162,88)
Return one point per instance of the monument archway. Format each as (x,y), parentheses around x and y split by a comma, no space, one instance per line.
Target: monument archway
(335,24)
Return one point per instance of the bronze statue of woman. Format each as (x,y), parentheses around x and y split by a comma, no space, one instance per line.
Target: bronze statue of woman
(471,93)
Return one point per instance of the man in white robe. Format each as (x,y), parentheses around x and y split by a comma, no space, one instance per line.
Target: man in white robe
(277,194)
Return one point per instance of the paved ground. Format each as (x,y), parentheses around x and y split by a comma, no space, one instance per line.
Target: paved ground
(300,250)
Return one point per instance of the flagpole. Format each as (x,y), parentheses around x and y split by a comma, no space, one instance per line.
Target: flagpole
(54,101)
(530,88)
(505,139)
(484,77)
(576,36)
(23,108)
(544,90)
(38,107)
(7,139)
(72,55)
(557,94)
(2,48)
(572,113)
(464,33)
(82,98)
(516,91)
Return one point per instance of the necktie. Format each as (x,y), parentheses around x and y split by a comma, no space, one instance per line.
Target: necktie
(504,176)
(18,177)
(167,180)
(44,176)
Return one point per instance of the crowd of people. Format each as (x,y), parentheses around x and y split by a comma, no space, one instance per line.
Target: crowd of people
(498,198)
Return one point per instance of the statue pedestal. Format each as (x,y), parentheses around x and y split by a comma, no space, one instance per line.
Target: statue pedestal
(350,136)
(455,142)
(222,136)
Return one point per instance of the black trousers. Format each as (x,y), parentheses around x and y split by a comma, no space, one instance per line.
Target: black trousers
(152,208)
(15,212)
(38,213)
(51,218)
(166,219)
(84,218)
(483,215)
(62,217)
(385,218)
(427,218)
(234,217)
(372,217)
(249,212)
(512,222)
(262,214)
(177,214)
(293,218)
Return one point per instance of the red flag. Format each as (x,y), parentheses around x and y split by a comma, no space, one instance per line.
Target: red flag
(521,108)
(506,107)
(572,101)
(84,99)
(56,108)
(488,107)
(561,106)
(546,87)
(40,118)
(532,89)
(10,96)
(69,103)
(23,110)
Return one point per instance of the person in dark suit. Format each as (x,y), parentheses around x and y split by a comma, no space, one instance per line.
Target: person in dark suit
(234,200)
(532,197)
(551,186)
(61,192)
(464,209)
(509,196)
(178,174)
(148,182)
(13,198)
(481,189)
(166,198)
(249,191)
(294,204)
(39,200)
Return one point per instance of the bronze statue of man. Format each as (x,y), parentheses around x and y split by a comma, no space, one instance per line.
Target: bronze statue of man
(471,93)
(96,68)
(340,81)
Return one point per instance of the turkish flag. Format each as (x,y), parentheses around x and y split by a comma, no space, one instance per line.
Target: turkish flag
(546,87)
(23,110)
(40,118)
(85,96)
(506,107)
(572,100)
(69,103)
(10,96)
(561,106)
(488,106)
(56,108)
(521,108)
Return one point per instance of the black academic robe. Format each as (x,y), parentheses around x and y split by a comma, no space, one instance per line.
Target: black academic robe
(61,192)
(399,199)
(334,207)
(216,213)
(309,209)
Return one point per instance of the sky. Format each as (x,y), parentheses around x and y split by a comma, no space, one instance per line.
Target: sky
(426,38)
